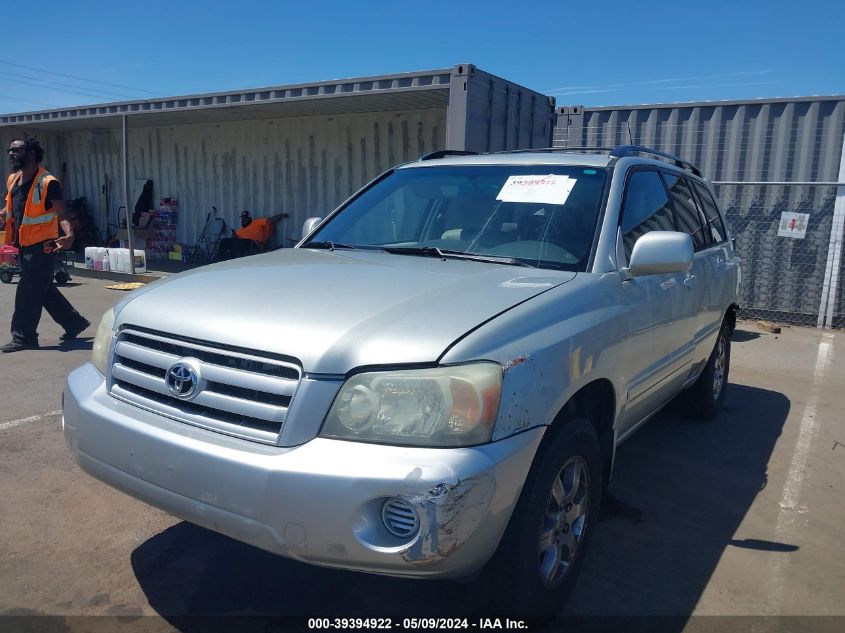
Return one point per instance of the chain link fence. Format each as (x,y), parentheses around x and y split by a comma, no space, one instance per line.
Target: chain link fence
(783,277)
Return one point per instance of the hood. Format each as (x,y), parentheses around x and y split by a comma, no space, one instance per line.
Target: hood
(336,310)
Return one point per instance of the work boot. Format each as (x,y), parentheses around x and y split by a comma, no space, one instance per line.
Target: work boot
(72,333)
(17,345)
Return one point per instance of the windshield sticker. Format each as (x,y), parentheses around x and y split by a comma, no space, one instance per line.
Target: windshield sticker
(550,189)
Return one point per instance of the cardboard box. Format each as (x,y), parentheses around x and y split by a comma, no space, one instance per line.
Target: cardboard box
(140,245)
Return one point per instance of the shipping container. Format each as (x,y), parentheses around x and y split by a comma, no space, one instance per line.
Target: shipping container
(298,149)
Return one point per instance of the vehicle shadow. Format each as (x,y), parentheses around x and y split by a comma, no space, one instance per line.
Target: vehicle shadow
(680,490)
(742,336)
(683,486)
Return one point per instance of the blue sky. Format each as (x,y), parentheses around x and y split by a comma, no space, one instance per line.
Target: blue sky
(585,53)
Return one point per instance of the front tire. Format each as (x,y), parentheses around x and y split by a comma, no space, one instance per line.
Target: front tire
(704,400)
(543,549)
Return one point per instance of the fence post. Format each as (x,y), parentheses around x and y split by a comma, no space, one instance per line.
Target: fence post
(834,251)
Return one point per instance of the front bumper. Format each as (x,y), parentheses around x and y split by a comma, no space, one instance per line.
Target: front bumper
(319,502)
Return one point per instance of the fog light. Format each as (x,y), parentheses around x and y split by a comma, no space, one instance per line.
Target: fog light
(400,518)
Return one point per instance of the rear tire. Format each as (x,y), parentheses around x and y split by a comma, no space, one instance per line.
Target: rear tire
(705,398)
(544,545)
(6,277)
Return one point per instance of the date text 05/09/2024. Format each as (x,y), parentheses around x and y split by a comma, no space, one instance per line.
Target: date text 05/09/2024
(414,624)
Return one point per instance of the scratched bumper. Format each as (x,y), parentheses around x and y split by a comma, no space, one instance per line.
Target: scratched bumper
(319,502)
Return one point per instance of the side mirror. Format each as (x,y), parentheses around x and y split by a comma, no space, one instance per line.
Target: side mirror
(309,225)
(661,252)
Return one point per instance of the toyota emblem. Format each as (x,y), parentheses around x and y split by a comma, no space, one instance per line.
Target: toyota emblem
(182,380)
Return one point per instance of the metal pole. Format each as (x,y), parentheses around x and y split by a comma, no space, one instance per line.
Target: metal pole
(837,229)
(827,274)
(126,194)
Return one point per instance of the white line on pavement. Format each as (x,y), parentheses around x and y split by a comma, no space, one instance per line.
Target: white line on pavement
(790,513)
(32,418)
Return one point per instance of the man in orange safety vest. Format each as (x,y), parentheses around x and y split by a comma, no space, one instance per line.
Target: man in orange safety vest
(34,210)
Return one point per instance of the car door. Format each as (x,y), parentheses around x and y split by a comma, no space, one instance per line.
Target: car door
(661,306)
(698,282)
(723,267)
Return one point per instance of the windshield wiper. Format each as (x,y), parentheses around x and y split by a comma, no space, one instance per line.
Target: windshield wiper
(433,251)
(430,251)
(330,245)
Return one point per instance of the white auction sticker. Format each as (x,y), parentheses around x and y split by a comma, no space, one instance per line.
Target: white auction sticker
(550,189)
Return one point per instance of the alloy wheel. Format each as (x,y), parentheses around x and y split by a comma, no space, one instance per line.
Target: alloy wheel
(564,522)
(719,367)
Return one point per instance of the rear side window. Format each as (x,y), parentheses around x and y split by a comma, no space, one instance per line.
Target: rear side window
(646,208)
(711,212)
(687,216)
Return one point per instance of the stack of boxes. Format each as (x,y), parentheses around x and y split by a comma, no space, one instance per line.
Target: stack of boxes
(164,240)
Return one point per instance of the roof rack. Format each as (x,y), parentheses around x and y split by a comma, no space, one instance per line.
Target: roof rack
(556,149)
(618,151)
(631,150)
(441,153)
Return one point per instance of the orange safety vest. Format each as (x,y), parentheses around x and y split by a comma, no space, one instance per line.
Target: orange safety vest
(258,230)
(38,224)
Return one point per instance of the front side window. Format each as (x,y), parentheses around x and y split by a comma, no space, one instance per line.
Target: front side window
(646,208)
(542,216)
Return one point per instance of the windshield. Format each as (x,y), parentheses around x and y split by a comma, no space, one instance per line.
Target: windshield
(541,215)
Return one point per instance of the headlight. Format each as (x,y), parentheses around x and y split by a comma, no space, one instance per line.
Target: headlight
(102,341)
(446,406)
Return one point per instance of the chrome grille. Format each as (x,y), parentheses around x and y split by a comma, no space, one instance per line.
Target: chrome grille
(244,394)
(399,517)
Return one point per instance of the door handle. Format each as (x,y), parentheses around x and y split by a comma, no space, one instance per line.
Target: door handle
(689,282)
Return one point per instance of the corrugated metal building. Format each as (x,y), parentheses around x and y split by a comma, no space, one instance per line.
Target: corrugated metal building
(761,154)
(300,149)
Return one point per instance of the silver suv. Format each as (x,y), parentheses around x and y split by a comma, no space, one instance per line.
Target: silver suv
(435,378)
